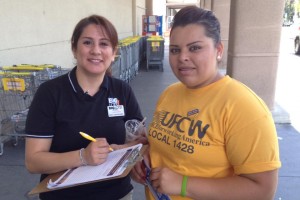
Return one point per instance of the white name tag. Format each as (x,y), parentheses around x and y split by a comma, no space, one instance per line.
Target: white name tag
(115,111)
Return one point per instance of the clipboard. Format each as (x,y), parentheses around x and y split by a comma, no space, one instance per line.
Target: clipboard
(42,186)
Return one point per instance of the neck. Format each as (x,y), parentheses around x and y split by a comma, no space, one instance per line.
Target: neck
(89,83)
(217,77)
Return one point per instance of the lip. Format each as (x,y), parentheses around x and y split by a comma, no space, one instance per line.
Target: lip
(95,60)
(185,70)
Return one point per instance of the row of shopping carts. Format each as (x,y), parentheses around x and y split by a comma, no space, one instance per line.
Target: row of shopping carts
(132,51)
(18,85)
(129,57)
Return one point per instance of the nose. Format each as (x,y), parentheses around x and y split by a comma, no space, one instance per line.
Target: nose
(95,50)
(183,56)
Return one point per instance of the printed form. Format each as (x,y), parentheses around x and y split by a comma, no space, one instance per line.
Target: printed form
(115,165)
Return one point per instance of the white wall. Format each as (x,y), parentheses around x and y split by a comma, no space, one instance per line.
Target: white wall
(39,31)
(159,8)
(140,11)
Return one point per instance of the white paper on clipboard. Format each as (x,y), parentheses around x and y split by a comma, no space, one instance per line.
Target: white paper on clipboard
(114,166)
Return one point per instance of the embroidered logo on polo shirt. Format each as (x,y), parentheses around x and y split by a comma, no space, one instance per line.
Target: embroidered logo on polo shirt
(193,112)
(113,101)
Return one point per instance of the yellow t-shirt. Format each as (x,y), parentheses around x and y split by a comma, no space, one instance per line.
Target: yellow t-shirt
(220,130)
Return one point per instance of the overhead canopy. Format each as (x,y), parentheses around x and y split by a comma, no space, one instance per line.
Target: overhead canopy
(177,4)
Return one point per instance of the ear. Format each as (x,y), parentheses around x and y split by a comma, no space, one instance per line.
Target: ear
(114,54)
(220,50)
(74,53)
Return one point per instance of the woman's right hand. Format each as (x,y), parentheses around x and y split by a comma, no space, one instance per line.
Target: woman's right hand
(138,172)
(96,152)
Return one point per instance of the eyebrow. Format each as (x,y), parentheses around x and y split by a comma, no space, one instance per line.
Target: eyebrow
(86,37)
(189,44)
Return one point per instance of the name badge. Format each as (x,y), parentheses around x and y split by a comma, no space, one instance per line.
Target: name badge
(115,111)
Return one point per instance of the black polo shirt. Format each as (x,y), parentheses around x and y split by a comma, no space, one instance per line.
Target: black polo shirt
(61,109)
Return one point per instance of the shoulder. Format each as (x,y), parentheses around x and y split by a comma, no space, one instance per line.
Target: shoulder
(175,87)
(117,84)
(53,86)
(56,82)
(242,93)
(243,103)
(171,92)
(117,81)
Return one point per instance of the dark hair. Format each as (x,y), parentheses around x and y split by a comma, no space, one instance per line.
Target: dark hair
(97,20)
(194,15)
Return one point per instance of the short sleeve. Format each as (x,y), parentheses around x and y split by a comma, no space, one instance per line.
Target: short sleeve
(254,147)
(41,116)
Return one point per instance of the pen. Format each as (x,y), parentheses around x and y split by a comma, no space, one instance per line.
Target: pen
(88,137)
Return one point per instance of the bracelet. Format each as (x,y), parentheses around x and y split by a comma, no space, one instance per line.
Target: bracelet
(183,186)
(83,162)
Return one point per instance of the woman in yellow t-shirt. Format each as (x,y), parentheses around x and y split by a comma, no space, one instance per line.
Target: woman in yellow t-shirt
(211,136)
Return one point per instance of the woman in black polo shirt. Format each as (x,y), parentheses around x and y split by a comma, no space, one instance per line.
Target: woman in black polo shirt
(79,101)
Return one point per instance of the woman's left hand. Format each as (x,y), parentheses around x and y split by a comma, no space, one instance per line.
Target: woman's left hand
(142,139)
(166,181)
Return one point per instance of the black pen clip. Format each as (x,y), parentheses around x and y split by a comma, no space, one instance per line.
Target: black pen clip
(127,159)
(135,153)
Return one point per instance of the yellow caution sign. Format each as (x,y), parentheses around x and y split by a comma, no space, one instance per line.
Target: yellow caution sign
(15,84)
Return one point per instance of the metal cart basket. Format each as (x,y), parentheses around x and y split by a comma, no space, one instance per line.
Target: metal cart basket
(18,85)
(155,51)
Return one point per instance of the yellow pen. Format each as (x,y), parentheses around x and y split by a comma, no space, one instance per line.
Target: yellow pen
(88,137)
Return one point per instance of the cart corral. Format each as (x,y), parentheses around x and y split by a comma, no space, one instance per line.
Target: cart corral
(18,85)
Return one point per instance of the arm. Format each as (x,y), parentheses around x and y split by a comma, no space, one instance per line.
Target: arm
(38,159)
(259,186)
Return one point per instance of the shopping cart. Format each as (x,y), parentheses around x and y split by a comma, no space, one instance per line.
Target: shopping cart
(155,51)
(129,52)
(18,85)
(116,67)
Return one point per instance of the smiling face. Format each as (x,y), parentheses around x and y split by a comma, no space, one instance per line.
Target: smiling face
(193,56)
(94,52)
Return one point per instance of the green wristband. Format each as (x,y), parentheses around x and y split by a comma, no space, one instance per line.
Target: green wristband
(183,186)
